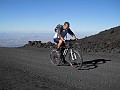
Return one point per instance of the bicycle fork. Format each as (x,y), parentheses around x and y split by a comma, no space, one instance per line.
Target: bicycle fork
(73,55)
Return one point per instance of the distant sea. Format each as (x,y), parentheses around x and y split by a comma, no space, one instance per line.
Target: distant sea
(20,39)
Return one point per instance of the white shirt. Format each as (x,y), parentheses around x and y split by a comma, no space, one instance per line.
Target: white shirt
(56,35)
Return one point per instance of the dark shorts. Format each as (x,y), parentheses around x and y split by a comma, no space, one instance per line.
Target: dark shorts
(56,40)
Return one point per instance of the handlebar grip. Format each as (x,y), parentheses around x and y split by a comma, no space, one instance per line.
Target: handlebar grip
(73,40)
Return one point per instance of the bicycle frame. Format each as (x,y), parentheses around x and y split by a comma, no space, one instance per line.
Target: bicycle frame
(71,52)
(73,55)
(65,52)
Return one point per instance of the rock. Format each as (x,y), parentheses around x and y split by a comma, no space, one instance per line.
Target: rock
(39,44)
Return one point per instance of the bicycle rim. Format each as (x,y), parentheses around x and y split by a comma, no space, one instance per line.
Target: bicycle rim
(53,58)
(76,60)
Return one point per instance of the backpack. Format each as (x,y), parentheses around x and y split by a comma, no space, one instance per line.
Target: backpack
(58,27)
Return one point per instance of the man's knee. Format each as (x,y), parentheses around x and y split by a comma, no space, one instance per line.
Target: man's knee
(60,41)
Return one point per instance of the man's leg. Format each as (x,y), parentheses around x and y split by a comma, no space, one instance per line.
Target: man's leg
(59,44)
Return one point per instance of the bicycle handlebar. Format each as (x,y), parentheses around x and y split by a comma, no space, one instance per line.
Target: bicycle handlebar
(70,40)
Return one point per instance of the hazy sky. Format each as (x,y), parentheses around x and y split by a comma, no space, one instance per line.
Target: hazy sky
(85,16)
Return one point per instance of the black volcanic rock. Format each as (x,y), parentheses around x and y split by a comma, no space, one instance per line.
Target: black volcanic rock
(105,41)
(39,44)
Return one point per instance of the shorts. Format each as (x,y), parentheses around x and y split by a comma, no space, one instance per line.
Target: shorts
(56,40)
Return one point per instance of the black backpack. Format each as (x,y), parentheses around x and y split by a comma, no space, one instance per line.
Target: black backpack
(58,27)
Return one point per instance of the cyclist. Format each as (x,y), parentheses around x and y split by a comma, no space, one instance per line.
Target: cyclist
(60,35)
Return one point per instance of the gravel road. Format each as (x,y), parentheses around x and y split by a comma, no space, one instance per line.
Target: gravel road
(31,69)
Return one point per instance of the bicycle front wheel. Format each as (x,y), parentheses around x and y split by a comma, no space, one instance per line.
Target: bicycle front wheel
(54,58)
(75,59)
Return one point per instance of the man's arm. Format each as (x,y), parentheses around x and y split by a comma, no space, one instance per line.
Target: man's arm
(72,34)
(75,37)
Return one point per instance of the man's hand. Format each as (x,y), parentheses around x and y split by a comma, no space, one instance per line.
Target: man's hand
(75,37)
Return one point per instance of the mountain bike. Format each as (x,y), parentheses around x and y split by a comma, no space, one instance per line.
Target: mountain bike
(74,57)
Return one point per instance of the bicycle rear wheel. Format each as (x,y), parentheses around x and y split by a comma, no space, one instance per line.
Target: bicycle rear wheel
(75,59)
(54,58)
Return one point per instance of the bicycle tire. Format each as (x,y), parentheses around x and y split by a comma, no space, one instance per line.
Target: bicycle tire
(54,59)
(76,64)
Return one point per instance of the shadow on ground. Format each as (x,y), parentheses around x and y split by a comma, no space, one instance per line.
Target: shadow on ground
(92,64)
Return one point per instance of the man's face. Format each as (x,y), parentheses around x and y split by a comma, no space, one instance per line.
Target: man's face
(65,26)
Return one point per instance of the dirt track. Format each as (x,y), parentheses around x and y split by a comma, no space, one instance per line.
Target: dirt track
(28,69)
